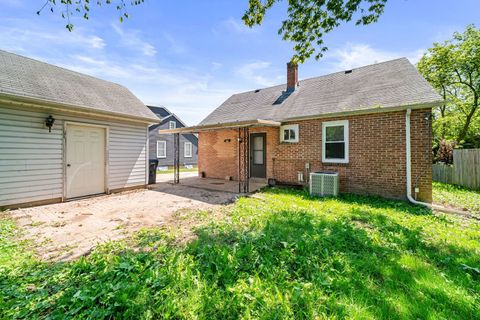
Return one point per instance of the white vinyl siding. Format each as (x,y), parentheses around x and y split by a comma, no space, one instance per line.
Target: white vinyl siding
(31,158)
(161,149)
(127,155)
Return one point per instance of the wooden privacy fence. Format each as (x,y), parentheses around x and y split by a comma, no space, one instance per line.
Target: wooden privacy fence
(465,170)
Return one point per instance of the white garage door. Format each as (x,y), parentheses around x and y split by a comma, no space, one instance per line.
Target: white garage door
(85,160)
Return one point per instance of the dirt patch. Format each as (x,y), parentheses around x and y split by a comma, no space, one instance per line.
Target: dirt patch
(66,231)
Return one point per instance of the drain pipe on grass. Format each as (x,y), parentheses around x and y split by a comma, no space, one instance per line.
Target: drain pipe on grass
(408,151)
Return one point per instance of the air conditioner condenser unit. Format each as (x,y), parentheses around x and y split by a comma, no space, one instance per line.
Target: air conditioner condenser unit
(324,183)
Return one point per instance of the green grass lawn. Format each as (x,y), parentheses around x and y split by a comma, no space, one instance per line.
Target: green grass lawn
(182,169)
(457,197)
(279,255)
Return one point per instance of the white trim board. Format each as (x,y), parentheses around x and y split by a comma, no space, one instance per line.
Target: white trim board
(346,139)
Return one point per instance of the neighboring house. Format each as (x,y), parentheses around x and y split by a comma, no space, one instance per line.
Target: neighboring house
(65,135)
(161,145)
(354,122)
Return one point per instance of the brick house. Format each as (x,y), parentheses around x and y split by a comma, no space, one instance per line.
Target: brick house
(367,124)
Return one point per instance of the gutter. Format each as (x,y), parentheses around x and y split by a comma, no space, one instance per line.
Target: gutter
(365,111)
(226,125)
(65,107)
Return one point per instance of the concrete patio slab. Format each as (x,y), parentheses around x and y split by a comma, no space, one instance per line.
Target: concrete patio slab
(66,231)
(191,179)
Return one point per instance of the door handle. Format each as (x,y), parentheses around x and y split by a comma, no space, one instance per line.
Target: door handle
(68,165)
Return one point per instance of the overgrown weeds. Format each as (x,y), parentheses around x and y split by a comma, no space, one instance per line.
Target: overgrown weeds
(457,197)
(284,256)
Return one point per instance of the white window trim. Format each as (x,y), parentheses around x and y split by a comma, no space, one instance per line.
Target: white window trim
(293,127)
(158,149)
(327,124)
(185,144)
(172,125)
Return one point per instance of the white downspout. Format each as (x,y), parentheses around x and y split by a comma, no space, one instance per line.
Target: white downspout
(408,151)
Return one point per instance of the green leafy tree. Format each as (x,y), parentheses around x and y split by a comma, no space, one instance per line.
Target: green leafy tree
(309,20)
(69,8)
(306,24)
(453,68)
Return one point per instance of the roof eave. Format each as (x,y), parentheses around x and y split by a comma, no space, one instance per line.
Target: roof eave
(42,103)
(221,126)
(367,111)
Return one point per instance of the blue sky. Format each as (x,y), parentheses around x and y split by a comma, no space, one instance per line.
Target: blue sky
(191,55)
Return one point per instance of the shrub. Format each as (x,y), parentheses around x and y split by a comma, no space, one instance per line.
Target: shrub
(445,151)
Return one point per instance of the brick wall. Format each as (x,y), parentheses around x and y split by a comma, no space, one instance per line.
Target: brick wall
(376,154)
(217,154)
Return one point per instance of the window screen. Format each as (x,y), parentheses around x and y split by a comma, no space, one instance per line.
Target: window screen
(187,150)
(335,141)
(289,133)
(161,149)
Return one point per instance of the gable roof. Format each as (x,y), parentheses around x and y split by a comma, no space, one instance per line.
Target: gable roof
(163,113)
(27,78)
(160,111)
(380,86)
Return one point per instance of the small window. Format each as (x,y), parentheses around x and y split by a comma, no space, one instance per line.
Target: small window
(187,149)
(172,125)
(161,149)
(289,133)
(335,141)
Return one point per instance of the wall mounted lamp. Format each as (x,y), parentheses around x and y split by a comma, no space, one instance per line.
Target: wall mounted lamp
(49,123)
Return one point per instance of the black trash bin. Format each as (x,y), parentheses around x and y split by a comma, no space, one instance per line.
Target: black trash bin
(152,171)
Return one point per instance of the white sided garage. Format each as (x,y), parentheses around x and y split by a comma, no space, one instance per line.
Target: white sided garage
(65,135)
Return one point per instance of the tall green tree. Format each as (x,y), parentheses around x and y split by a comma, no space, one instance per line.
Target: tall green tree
(306,24)
(453,68)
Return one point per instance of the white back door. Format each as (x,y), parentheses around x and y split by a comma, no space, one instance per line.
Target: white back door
(85,160)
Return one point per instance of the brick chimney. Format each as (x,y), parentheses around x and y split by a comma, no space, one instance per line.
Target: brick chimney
(292,76)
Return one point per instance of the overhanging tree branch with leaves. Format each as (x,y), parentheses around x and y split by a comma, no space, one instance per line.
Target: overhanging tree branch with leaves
(307,22)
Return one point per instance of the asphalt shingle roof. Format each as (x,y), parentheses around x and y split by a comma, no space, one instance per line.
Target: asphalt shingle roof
(384,85)
(28,78)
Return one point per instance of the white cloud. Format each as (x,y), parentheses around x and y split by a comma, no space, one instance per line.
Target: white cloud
(259,72)
(175,46)
(185,91)
(20,38)
(191,92)
(12,3)
(216,65)
(132,40)
(96,42)
(238,26)
(357,55)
